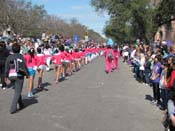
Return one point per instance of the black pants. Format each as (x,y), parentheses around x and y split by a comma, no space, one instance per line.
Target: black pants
(156,92)
(142,75)
(125,59)
(2,76)
(172,128)
(17,98)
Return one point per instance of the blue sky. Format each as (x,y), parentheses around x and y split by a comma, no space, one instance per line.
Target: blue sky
(80,9)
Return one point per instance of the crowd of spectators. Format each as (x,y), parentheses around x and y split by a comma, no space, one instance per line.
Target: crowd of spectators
(154,66)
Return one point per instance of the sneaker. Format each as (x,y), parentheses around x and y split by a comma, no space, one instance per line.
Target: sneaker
(30,95)
(162,108)
(4,88)
(153,102)
(47,69)
(13,112)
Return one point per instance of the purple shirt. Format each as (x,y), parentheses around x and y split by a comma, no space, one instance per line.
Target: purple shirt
(157,69)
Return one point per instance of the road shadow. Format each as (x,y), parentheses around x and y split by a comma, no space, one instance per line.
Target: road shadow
(63,79)
(51,69)
(10,85)
(28,102)
(44,85)
(148,97)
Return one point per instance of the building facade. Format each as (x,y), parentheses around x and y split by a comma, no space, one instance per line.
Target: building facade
(164,33)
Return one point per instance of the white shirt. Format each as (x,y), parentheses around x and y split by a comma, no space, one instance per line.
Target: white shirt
(142,63)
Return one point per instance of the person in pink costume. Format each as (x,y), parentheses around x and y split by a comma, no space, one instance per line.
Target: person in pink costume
(109,57)
(31,63)
(57,58)
(116,56)
(41,64)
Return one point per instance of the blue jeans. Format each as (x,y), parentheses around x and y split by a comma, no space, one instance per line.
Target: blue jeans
(136,71)
(164,96)
(147,77)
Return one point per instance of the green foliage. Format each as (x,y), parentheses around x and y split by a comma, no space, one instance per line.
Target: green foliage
(32,20)
(129,19)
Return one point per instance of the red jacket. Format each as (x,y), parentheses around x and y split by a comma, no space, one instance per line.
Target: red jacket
(171,81)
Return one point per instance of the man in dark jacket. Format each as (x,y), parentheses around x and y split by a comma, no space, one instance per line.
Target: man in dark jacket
(16,78)
(4,53)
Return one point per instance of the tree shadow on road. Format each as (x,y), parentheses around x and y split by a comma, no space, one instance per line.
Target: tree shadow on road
(148,97)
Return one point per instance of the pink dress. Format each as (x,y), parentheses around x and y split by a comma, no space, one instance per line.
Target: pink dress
(109,62)
(57,59)
(41,61)
(116,56)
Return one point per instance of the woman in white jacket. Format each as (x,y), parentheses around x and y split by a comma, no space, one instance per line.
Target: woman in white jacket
(141,62)
(142,67)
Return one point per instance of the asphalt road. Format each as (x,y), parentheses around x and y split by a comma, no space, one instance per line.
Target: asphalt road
(90,100)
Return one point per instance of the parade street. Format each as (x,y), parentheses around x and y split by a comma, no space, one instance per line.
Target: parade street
(89,100)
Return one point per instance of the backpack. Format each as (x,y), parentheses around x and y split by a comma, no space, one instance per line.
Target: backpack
(110,56)
(17,69)
(20,67)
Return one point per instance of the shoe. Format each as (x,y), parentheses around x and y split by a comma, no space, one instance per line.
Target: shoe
(153,102)
(47,69)
(39,88)
(4,88)
(162,108)
(13,112)
(30,95)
